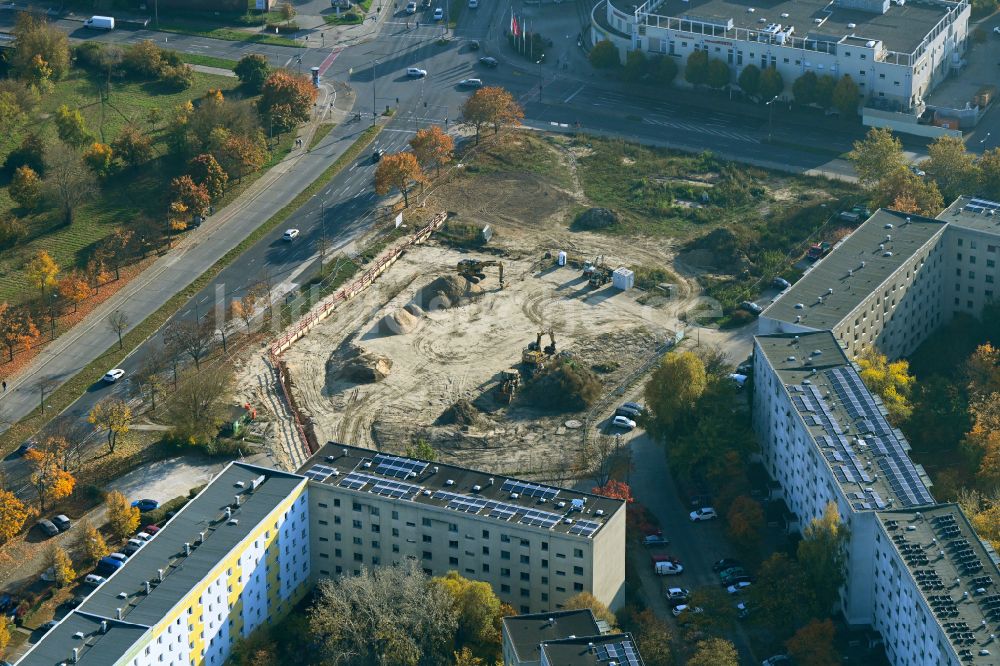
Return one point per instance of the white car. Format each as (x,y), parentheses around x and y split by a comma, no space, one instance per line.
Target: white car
(736,588)
(677,593)
(144,536)
(290,234)
(704,513)
(438,14)
(623,422)
(112,376)
(416,72)
(668,568)
(94,579)
(121,557)
(411,8)
(677,610)
(471,83)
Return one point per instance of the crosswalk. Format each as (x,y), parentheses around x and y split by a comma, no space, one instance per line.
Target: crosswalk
(700,128)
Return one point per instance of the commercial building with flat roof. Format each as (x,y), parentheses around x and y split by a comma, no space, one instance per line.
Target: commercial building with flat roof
(233,559)
(608,650)
(895,51)
(536,545)
(522,635)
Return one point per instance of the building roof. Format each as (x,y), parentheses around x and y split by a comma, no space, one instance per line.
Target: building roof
(899,29)
(617,649)
(853,270)
(567,512)
(261,490)
(865,455)
(955,573)
(527,632)
(973,213)
(94,648)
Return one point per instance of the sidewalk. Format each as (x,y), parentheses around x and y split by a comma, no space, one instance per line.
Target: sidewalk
(192,255)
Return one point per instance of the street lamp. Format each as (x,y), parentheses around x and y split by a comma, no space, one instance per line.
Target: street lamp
(539,63)
(374,62)
(770,117)
(983,141)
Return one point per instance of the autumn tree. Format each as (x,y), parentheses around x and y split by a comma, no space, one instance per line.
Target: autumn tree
(13,514)
(149,375)
(118,322)
(123,518)
(676,383)
(50,481)
(4,633)
(478,610)
(892,382)
(71,127)
(17,329)
(62,566)
(42,271)
(39,42)
(845,96)
(206,172)
(494,106)
(94,545)
(717,74)
(100,158)
(286,99)
(951,167)
(287,11)
(26,187)
(113,415)
(239,154)
(714,652)
(696,69)
(771,84)
(11,112)
(252,70)
(983,510)
(115,249)
(654,638)
(877,156)
(982,442)
(245,308)
(588,600)
(132,146)
(812,645)
(989,174)
(821,555)
(781,597)
(744,522)
(192,196)
(68,181)
(907,192)
(197,407)
(432,147)
(615,490)
(397,171)
(749,80)
(982,370)
(804,88)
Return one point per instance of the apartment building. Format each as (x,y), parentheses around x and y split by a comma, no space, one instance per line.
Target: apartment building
(536,545)
(565,638)
(825,439)
(972,246)
(896,51)
(234,558)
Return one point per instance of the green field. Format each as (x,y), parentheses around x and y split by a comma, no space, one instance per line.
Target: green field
(123,197)
(208,61)
(213,30)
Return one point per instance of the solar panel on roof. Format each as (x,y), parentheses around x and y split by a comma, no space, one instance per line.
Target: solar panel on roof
(398,467)
(525,489)
(320,472)
(354,481)
(544,519)
(584,527)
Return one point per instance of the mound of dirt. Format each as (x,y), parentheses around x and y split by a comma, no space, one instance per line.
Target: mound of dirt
(446,292)
(462,412)
(414,309)
(360,367)
(401,321)
(565,386)
(596,218)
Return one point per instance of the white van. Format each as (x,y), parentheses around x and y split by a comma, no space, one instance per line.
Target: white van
(100,23)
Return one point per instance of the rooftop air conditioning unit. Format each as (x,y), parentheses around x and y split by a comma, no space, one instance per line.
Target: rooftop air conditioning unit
(476,488)
(852,26)
(514,495)
(449,482)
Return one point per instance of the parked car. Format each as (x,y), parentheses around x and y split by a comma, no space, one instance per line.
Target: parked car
(438,13)
(684,608)
(290,234)
(628,412)
(143,536)
(736,588)
(113,375)
(94,579)
(109,564)
(411,8)
(777,660)
(781,283)
(471,83)
(489,62)
(473,44)
(48,626)
(416,72)
(750,306)
(734,570)
(677,595)
(151,529)
(917,171)
(62,522)
(668,568)
(473,4)
(735,580)
(623,422)
(118,557)
(146,505)
(738,379)
(133,545)
(48,527)
(725,563)
(634,406)
(704,513)
(743,610)
(655,540)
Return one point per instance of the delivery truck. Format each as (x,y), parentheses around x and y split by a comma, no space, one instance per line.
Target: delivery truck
(100,23)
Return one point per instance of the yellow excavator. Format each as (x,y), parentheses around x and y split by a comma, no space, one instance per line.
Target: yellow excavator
(536,357)
(473,270)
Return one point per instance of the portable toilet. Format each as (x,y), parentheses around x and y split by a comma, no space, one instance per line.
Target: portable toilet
(623,279)
(562,258)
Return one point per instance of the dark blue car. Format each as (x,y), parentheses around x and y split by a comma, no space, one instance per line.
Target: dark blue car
(146,505)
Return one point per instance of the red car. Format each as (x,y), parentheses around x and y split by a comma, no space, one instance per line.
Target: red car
(151,529)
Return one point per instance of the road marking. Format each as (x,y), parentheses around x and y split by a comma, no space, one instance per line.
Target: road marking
(325,65)
(578,91)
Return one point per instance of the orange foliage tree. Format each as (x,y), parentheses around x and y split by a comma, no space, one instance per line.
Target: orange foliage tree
(813,644)
(745,520)
(615,490)
(491,106)
(194,197)
(286,100)
(432,146)
(205,171)
(13,513)
(16,329)
(75,289)
(50,481)
(398,171)
(239,155)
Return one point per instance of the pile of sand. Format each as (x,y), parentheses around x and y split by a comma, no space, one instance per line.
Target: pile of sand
(446,292)
(462,412)
(360,367)
(399,321)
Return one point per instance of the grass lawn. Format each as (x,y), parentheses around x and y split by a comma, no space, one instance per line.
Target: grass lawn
(518,152)
(122,197)
(204,29)
(208,61)
(350,17)
(320,134)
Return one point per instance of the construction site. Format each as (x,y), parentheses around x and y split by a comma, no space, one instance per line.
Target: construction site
(500,357)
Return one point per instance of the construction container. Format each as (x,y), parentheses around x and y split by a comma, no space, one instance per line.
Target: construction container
(561,258)
(623,279)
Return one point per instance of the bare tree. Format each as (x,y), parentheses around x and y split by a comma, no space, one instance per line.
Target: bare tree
(149,375)
(603,453)
(118,321)
(191,337)
(197,408)
(68,180)
(716,360)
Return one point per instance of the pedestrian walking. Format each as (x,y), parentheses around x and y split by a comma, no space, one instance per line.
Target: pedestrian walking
(5,386)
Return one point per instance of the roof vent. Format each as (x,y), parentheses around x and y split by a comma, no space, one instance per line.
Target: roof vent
(476,488)
(850,272)
(123,595)
(187,546)
(862,265)
(331,458)
(561,505)
(236,500)
(411,475)
(852,26)
(367,463)
(427,493)
(147,587)
(798,318)
(78,635)
(817,352)
(790,359)
(514,495)
(568,521)
(344,451)
(829,290)
(542,500)
(599,512)
(234,521)
(888,238)
(76,654)
(256,483)
(819,300)
(436,469)
(449,482)
(201,537)
(118,613)
(490,481)
(159,575)
(239,484)
(229,512)
(911,528)
(104,626)
(881,246)
(887,254)
(799,306)
(888,225)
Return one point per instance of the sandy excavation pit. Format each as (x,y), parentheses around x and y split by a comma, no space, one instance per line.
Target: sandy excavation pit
(388,367)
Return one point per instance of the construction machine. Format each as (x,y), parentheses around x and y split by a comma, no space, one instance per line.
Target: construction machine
(510,381)
(597,272)
(536,357)
(473,270)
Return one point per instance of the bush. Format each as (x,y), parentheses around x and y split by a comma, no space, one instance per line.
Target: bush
(159,515)
(180,77)
(461,234)
(30,153)
(88,55)
(564,386)
(604,55)
(283,28)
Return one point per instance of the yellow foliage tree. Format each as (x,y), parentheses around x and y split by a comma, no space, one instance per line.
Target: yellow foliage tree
(122,516)
(113,415)
(983,370)
(478,609)
(62,566)
(673,389)
(588,600)
(4,633)
(983,440)
(13,513)
(51,482)
(94,544)
(813,644)
(42,270)
(99,158)
(890,381)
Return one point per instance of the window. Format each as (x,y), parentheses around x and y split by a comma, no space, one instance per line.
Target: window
(505,589)
(322,505)
(376,529)
(427,538)
(545,564)
(991,248)
(452,527)
(990,263)
(336,520)
(525,576)
(336,536)
(356,524)
(453,561)
(578,587)
(504,554)
(486,550)
(486,568)
(453,544)
(357,541)
(525,559)
(323,522)
(972,258)
(374,511)
(577,552)
(545,545)
(357,557)
(486,534)
(427,555)
(504,538)
(577,571)
(426,522)
(505,573)
(395,515)
(376,544)
(356,506)
(525,592)
(395,531)
(337,552)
